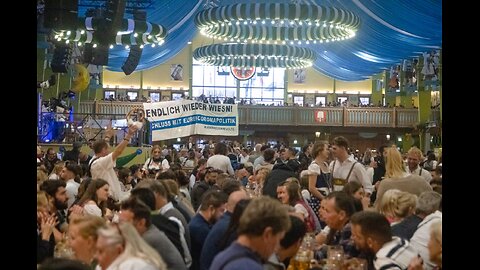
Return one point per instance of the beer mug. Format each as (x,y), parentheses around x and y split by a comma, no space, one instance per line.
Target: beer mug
(335,257)
(302,263)
(356,264)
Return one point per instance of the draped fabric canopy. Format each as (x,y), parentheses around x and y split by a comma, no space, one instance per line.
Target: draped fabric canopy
(389,32)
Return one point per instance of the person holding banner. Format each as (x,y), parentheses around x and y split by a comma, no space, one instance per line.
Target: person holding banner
(102,164)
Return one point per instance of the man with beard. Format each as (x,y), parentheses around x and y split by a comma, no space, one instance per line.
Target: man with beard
(199,189)
(211,246)
(371,234)
(58,201)
(50,160)
(211,209)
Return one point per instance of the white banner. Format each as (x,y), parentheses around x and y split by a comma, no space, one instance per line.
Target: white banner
(180,118)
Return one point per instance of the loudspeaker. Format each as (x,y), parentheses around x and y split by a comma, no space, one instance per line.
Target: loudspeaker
(94,12)
(115,9)
(87,53)
(135,52)
(95,56)
(113,16)
(132,60)
(61,59)
(61,14)
(139,15)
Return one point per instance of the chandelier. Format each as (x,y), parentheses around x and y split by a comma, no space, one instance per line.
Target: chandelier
(265,32)
(255,55)
(277,22)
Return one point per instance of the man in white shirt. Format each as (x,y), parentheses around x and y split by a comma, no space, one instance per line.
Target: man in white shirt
(414,156)
(68,174)
(345,168)
(220,160)
(102,164)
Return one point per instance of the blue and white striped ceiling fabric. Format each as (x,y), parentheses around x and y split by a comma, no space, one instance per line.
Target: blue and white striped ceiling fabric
(389,32)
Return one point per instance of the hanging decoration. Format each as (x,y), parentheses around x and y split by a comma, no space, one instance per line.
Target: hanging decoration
(81,78)
(264,32)
(277,22)
(255,55)
(243,74)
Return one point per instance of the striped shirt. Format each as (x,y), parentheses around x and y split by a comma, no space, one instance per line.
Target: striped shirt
(420,238)
(395,254)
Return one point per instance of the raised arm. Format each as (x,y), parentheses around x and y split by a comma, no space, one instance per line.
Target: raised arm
(121,146)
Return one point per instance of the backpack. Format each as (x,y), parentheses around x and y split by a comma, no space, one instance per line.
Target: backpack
(171,230)
(89,168)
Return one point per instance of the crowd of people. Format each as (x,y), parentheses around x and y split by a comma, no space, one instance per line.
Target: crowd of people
(255,102)
(229,206)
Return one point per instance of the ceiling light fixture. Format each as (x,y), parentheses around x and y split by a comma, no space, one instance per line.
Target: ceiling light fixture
(288,22)
(255,55)
(133,32)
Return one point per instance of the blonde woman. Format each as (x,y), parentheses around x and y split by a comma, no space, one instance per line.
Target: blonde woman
(397,205)
(259,178)
(57,169)
(120,247)
(82,238)
(397,178)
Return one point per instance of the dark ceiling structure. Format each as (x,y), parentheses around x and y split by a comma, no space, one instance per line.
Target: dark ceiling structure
(389,32)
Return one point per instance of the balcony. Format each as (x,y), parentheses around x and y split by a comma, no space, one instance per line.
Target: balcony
(292,116)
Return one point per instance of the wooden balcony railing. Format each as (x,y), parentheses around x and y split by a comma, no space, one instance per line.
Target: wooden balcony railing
(366,117)
(294,116)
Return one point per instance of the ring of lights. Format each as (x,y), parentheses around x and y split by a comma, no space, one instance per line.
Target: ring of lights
(279,22)
(132,32)
(255,55)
